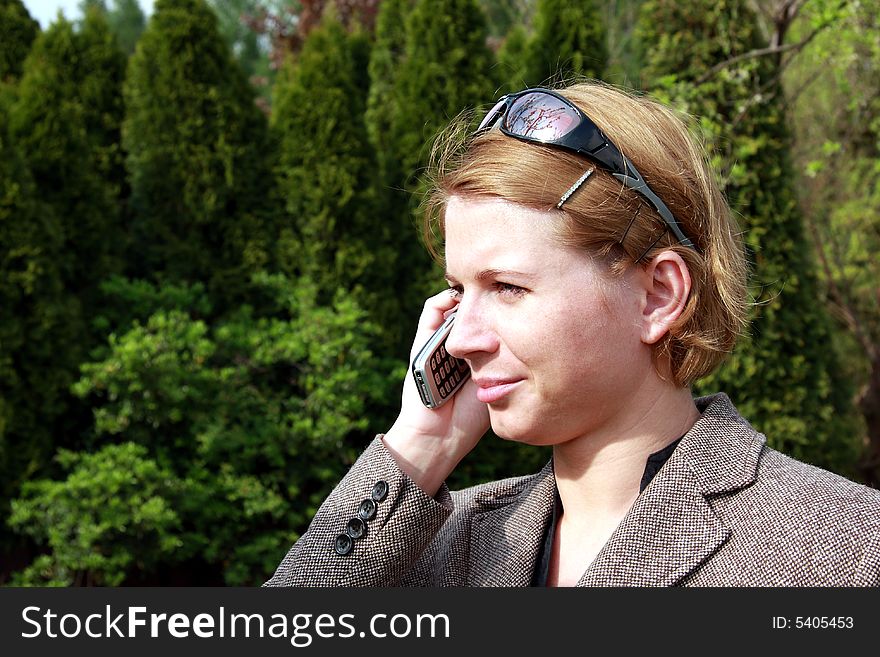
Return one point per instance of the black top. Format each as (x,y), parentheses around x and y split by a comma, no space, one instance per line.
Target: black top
(652,467)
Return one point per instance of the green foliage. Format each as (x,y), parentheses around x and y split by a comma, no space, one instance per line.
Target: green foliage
(248,421)
(126,301)
(504,15)
(64,122)
(17,32)
(569,41)
(197,156)
(387,54)
(334,233)
(835,90)
(226,378)
(37,321)
(126,20)
(513,60)
(114,515)
(242,39)
(67,123)
(445,69)
(326,167)
(783,376)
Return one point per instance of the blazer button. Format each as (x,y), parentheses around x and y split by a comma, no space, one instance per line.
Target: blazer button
(343,544)
(356,528)
(380,491)
(367,510)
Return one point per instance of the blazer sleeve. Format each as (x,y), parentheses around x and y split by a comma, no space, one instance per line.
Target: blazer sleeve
(868,572)
(404,521)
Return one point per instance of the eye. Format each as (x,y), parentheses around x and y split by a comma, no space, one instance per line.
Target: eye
(508,289)
(456,291)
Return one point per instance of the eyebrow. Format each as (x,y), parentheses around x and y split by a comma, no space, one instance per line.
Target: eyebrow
(487,274)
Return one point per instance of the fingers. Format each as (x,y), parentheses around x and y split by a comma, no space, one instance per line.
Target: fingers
(436,309)
(433,313)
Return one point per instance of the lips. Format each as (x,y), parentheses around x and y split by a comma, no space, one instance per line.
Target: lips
(492,390)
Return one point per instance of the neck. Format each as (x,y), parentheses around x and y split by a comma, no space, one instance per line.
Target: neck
(599,474)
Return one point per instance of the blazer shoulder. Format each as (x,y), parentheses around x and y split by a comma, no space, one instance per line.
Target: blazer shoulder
(813,487)
(812,521)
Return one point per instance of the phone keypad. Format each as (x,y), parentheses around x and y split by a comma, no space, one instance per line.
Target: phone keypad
(448,371)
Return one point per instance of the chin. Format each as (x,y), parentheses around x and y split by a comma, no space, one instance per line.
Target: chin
(519,430)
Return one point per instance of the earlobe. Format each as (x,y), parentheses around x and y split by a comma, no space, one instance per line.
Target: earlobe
(667,288)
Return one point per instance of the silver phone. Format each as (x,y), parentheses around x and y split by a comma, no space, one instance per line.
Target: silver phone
(438,374)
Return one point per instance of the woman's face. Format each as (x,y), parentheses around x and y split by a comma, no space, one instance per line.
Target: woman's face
(552,339)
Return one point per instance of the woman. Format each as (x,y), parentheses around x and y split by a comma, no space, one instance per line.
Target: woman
(587,302)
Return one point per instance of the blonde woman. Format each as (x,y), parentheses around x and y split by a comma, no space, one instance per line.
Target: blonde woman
(596,273)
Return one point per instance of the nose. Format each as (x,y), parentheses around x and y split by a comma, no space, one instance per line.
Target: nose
(472,332)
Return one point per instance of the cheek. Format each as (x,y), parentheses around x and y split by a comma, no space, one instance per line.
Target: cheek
(556,345)
(587,344)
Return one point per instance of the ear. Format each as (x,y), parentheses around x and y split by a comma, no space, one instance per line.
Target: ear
(666,285)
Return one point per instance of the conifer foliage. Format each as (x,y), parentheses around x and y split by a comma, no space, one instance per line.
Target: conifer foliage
(387,54)
(513,60)
(197,154)
(569,40)
(67,123)
(327,168)
(35,326)
(64,125)
(782,376)
(17,32)
(446,68)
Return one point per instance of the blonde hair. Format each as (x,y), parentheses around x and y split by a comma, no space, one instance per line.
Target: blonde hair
(611,221)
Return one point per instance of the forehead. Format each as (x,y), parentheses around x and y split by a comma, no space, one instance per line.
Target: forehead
(494,233)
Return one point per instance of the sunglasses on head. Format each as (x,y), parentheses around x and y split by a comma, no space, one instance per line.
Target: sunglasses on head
(545,117)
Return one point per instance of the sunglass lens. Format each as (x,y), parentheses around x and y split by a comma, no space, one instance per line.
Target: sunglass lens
(540,116)
(492,115)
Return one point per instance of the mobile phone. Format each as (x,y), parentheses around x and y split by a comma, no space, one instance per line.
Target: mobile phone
(438,374)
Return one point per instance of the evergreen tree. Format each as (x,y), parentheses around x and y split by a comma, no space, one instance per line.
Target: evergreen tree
(361,52)
(387,54)
(220,439)
(197,155)
(569,40)
(17,32)
(126,20)
(327,173)
(67,121)
(36,319)
(241,37)
(444,70)
(504,15)
(513,60)
(783,376)
(101,76)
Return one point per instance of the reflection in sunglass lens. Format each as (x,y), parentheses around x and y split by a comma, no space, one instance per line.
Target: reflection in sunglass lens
(540,116)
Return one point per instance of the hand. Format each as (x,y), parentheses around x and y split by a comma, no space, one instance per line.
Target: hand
(429,443)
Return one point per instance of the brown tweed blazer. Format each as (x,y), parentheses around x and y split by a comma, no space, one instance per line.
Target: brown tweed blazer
(725,510)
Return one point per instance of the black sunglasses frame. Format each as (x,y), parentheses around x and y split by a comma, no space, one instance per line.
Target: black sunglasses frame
(588,140)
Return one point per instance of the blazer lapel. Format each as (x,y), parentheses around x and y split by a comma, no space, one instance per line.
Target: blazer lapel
(668,532)
(507,535)
(672,528)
